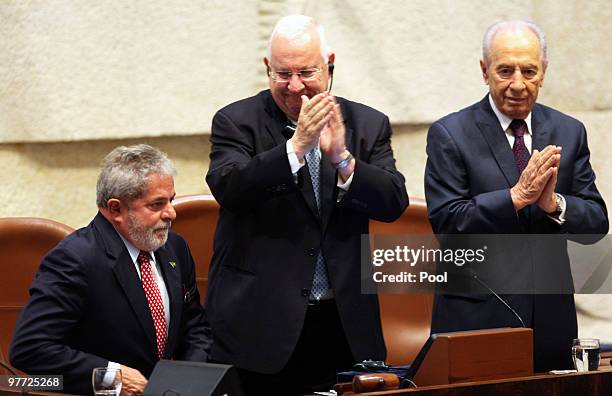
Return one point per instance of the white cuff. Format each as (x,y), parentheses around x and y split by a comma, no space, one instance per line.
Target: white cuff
(109,378)
(561,218)
(294,163)
(347,184)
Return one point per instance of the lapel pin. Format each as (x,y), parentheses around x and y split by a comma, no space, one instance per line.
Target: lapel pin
(172,264)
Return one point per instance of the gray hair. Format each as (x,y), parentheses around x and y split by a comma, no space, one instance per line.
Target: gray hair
(125,172)
(292,27)
(513,25)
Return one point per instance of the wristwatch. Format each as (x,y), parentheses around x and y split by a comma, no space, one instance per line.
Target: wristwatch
(344,163)
(558,208)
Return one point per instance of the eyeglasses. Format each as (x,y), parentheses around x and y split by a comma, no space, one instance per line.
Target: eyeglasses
(284,76)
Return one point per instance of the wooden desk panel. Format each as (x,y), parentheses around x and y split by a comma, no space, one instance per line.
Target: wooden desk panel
(593,383)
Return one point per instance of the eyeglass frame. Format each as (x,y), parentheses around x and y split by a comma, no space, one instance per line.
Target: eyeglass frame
(274,74)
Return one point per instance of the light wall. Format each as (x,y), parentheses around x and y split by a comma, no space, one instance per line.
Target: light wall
(77,79)
(57,180)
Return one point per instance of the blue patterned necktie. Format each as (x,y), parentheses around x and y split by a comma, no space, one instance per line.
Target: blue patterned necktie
(521,154)
(320,282)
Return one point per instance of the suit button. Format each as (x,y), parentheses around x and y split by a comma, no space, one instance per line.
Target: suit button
(305,292)
(311,252)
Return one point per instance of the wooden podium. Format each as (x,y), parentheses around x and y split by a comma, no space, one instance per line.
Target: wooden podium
(477,355)
(461,357)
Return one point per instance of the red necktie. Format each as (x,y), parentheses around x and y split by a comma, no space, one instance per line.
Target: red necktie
(521,154)
(156,305)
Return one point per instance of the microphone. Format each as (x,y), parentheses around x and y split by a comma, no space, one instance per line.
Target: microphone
(289,130)
(477,279)
(330,67)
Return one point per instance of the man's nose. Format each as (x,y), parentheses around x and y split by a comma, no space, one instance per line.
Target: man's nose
(169,213)
(295,83)
(518,82)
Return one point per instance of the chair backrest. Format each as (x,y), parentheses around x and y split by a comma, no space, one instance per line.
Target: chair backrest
(406,318)
(24,241)
(3,369)
(196,221)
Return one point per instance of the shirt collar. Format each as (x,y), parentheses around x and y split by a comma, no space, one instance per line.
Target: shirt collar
(504,120)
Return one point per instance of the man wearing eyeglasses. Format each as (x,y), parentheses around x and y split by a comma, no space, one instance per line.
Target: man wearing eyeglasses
(298,174)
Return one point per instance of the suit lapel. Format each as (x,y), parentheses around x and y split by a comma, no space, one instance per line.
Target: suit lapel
(127,277)
(307,191)
(541,137)
(329,175)
(328,189)
(540,129)
(172,278)
(126,274)
(275,123)
(489,127)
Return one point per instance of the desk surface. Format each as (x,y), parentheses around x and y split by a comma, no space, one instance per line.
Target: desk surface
(575,384)
(592,383)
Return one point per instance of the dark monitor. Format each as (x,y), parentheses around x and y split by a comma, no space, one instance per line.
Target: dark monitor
(180,378)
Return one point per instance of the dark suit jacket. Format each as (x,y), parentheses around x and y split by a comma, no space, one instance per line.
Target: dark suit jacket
(87,306)
(269,233)
(470,170)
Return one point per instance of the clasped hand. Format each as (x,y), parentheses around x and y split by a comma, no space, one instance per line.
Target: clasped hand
(320,121)
(538,181)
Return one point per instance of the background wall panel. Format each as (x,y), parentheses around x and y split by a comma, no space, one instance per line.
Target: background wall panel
(79,78)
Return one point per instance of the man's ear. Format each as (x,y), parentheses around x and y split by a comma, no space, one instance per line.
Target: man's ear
(115,209)
(485,75)
(267,63)
(543,75)
(331,58)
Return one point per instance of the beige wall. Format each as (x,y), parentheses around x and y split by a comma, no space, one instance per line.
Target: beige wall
(93,70)
(77,81)
(57,180)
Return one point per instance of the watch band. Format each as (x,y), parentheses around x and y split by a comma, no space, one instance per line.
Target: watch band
(558,208)
(344,163)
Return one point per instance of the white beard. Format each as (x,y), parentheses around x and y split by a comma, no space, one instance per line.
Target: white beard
(147,239)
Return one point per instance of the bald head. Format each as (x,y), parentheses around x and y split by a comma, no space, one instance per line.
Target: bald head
(300,31)
(513,66)
(298,49)
(513,26)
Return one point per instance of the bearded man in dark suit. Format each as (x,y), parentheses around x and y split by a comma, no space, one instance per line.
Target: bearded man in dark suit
(120,292)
